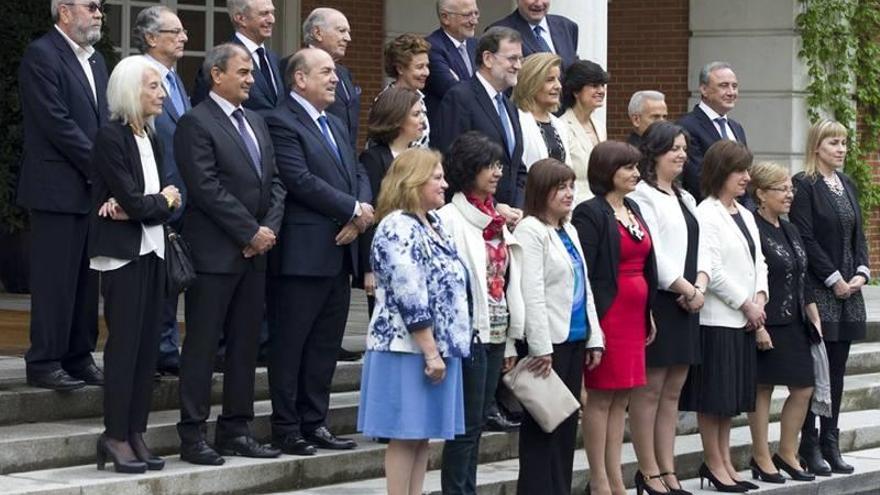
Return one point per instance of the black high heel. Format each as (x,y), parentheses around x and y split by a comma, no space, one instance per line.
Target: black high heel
(153,462)
(120,466)
(760,474)
(748,485)
(796,474)
(706,473)
(675,491)
(641,482)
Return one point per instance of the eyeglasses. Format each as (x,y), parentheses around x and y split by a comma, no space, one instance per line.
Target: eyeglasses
(496,166)
(513,59)
(175,32)
(472,14)
(92,6)
(784,190)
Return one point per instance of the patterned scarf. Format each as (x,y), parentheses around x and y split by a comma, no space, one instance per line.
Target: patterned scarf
(493,230)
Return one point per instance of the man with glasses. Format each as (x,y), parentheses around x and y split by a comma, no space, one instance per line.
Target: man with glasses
(63,84)
(159,35)
(480,104)
(543,32)
(453,49)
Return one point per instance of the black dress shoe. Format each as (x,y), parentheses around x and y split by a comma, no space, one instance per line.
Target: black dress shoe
(153,462)
(54,380)
(346,355)
(105,452)
(245,446)
(497,422)
(795,473)
(323,439)
(294,445)
(168,369)
(200,453)
(91,374)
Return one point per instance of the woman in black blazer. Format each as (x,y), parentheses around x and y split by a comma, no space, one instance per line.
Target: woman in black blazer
(623,275)
(127,245)
(826,211)
(395,122)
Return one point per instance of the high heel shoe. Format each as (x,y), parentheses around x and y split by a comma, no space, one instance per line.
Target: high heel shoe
(675,491)
(796,474)
(153,462)
(641,482)
(760,474)
(120,466)
(706,473)
(748,485)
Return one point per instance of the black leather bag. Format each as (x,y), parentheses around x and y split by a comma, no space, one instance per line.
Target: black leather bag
(178,263)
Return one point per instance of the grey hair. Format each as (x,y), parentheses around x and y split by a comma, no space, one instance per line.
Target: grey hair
(235,7)
(147,22)
(492,38)
(53,7)
(442,6)
(638,99)
(124,91)
(219,57)
(317,19)
(297,62)
(710,68)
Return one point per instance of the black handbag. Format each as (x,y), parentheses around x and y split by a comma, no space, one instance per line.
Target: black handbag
(180,273)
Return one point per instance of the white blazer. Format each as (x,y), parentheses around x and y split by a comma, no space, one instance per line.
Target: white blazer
(548,287)
(465,223)
(668,229)
(534,146)
(724,255)
(581,147)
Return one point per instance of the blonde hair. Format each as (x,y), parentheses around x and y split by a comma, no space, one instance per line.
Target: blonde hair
(824,129)
(531,77)
(765,175)
(124,91)
(411,170)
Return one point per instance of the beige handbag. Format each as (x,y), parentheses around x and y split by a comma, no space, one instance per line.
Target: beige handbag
(547,399)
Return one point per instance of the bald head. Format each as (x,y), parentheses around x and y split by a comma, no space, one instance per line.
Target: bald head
(327,29)
(311,73)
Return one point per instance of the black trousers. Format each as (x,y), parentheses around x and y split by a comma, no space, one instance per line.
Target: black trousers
(230,305)
(133,299)
(838,354)
(546,459)
(64,294)
(308,316)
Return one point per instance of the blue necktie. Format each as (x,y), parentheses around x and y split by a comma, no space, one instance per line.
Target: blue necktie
(722,124)
(325,130)
(542,43)
(176,98)
(267,72)
(505,123)
(248,141)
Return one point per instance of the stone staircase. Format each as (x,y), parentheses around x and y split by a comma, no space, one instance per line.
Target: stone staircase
(47,443)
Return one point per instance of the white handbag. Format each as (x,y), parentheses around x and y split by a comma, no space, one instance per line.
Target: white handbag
(547,399)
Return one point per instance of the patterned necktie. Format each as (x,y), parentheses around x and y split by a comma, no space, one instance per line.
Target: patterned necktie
(542,43)
(505,123)
(176,98)
(722,124)
(249,143)
(267,71)
(325,130)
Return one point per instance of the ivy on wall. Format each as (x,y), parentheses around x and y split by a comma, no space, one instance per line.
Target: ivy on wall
(841,48)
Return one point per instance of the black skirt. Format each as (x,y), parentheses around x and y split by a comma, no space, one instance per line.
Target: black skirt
(726,383)
(678,334)
(789,362)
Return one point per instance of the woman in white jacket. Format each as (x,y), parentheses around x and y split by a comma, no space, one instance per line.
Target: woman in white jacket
(493,259)
(561,326)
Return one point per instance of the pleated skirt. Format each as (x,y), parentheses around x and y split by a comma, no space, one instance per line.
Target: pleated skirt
(726,382)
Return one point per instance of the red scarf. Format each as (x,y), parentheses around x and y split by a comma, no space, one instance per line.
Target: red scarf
(493,230)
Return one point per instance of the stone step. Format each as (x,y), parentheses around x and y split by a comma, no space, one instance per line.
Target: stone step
(860,437)
(20,403)
(864,357)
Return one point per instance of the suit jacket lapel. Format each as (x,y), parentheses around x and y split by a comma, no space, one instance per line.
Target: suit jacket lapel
(706,123)
(312,127)
(525,30)
(733,227)
(226,125)
(488,106)
(187,106)
(342,144)
(456,63)
(69,59)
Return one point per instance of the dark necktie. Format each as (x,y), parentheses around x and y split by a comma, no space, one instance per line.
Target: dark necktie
(542,43)
(722,124)
(505,123)
(248,141)
(325,130)
(267,71)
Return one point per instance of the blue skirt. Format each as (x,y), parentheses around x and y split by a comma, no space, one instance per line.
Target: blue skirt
(399,401)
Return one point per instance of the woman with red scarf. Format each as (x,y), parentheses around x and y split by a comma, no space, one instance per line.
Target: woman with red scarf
(493,257)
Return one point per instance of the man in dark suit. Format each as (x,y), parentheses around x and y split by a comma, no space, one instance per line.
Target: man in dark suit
(236,201)
(543,32)
(453,50)
(708,121)
(63,85)
(160,36)
(253,21)
(479,104)
(645,108)
(327,207)
(328,29)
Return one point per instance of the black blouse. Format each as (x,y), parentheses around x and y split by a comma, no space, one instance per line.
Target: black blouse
(555,148)
(786,269)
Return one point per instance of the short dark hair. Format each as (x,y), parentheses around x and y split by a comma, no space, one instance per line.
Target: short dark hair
(388,113)
(658,139)
(544,177)
(492,38)
(467,156)
(579,74)
(400,51)
(605,159)
(219,57)
(722,159)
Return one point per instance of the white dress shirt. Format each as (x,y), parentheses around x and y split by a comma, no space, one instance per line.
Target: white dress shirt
(83,55)
(712,114)
(228,108)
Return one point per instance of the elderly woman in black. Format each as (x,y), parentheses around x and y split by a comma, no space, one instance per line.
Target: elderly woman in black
(127,245)
(826,211)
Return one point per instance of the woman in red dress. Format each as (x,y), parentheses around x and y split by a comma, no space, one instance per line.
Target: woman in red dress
(623,274)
